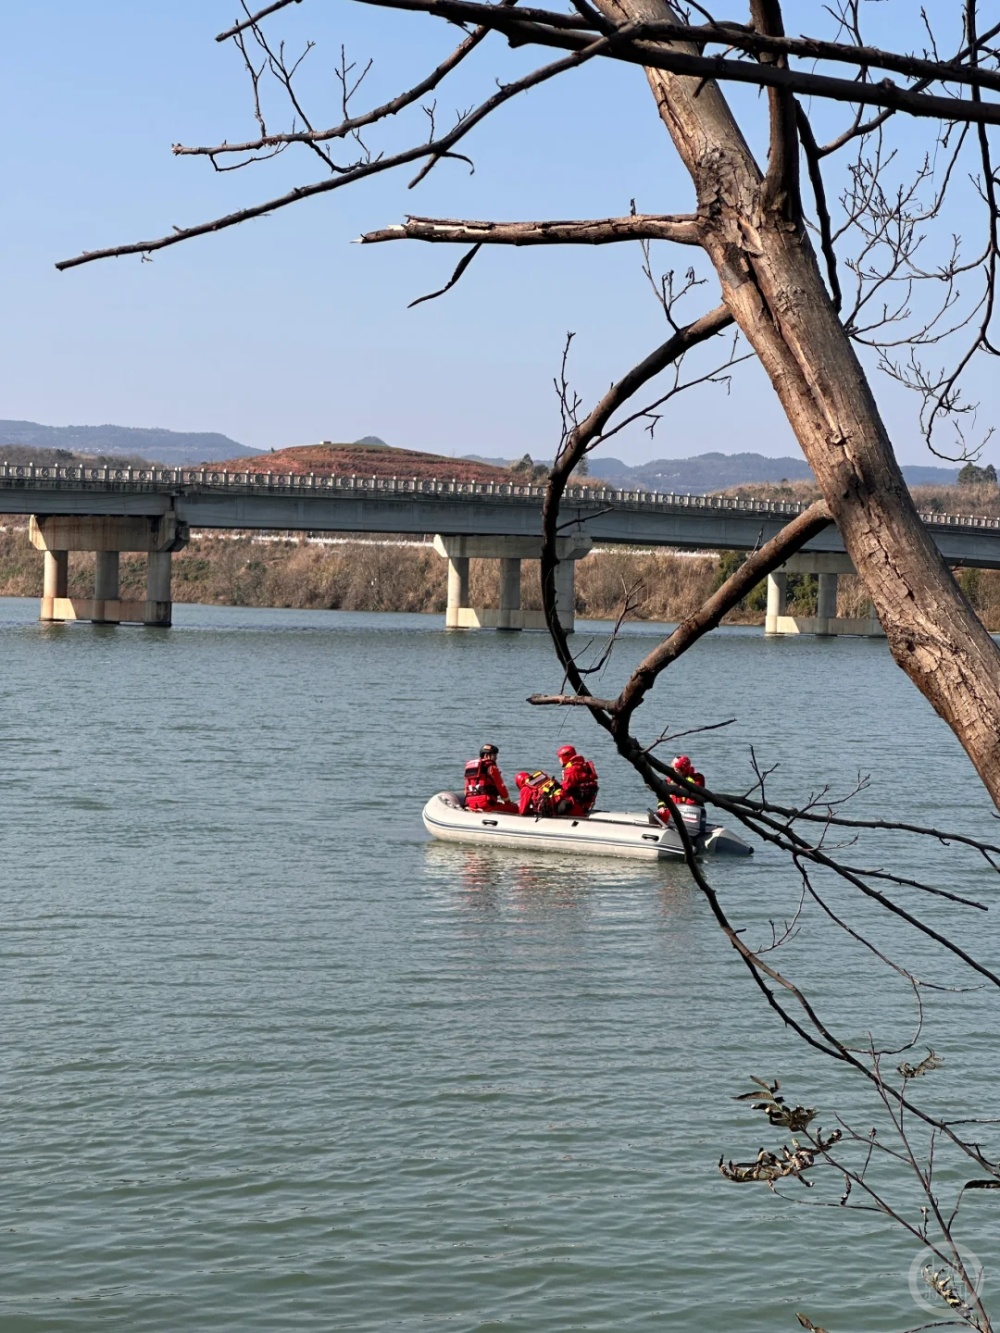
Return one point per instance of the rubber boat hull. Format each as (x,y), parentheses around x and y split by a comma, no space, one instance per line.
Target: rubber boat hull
(603,833)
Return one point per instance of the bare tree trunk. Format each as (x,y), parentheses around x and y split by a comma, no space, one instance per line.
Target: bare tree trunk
(773,287)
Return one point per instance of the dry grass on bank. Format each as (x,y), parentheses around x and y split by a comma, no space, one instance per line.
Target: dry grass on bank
(795,492)
(983,501)
(668,586)
(373,576)
(368,576)
(397,577)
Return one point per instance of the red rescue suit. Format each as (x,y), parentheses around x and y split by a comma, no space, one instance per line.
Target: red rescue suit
(484,787)
(579,787)
(538,795)
(691,779)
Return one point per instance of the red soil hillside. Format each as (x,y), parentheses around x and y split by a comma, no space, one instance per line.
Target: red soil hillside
(364,460)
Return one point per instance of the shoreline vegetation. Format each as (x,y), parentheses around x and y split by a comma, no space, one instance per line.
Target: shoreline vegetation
(369,572)
(380,574)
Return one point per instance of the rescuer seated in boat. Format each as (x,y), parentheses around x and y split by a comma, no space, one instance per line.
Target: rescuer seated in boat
(484,785)
(578,783)
(539,794)
(687,777)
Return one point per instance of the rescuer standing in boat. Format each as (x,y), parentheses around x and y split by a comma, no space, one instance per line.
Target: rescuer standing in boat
(538,794)
(579,783)
(484,785)
(687,776)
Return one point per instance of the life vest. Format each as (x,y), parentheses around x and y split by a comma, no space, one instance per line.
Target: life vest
(580,781)
(544,792)
(692,780)
(479,780)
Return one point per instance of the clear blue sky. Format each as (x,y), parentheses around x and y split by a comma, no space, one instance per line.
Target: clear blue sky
(281,332)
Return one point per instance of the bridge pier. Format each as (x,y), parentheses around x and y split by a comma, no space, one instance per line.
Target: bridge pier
(55,580)
(107,604)
(510,593)
(56,535)
(825,623)
(458,589)
(510,551)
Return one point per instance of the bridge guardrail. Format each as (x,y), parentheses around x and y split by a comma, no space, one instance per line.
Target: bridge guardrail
(53,476)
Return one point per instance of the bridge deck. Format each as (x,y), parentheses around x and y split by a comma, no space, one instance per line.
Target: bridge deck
(206,498)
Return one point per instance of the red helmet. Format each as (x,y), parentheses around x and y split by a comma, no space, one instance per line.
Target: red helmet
(682,764)
(521,779)
(565,753)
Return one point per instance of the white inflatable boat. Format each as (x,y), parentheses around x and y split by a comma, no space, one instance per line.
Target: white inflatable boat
(603,833)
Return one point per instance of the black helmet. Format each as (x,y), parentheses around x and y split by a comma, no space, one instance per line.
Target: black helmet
(487,750)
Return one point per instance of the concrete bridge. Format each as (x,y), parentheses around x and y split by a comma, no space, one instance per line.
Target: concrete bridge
(107,510)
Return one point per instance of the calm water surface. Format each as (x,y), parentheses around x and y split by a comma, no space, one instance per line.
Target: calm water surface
(273,1060)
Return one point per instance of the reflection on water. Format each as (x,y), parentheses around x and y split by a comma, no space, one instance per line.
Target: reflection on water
(516,879)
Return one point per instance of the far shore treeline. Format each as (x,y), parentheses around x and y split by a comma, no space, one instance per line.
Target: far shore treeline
(374,573)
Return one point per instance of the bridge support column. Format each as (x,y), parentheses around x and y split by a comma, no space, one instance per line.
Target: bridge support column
(56,535)
(55,581)
(458,590)
(566,594)
(107,604)
(510,594)
(827,566)
(159,607)
(510,551)
(777,601)
(826,603)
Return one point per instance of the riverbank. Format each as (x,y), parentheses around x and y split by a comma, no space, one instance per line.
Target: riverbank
(376,574)
(381,574)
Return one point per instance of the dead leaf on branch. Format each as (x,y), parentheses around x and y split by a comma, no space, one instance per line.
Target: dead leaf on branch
(770,1167)
(942,1284)
(778,1112)
(929,1062)
(793,1161)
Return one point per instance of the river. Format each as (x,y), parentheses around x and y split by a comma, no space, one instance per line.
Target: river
(272,1059)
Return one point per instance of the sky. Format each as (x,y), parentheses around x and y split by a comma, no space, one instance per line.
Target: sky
(282,332)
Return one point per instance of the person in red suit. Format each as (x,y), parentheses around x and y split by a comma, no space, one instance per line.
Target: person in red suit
(538,794)
(687,776)
(686,772)
(484,785)
(579,783)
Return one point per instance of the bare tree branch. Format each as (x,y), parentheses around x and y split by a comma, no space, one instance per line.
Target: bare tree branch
(575,446)
(254,19)
(769,557)
(683,229)
(460,268)
(731,35)
(350,124)
(631,43)
(433,150)
(781,184)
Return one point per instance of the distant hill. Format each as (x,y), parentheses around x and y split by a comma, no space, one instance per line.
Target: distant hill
(493,462)
(713,472)
(174,448)
(365,459)
(371,456)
